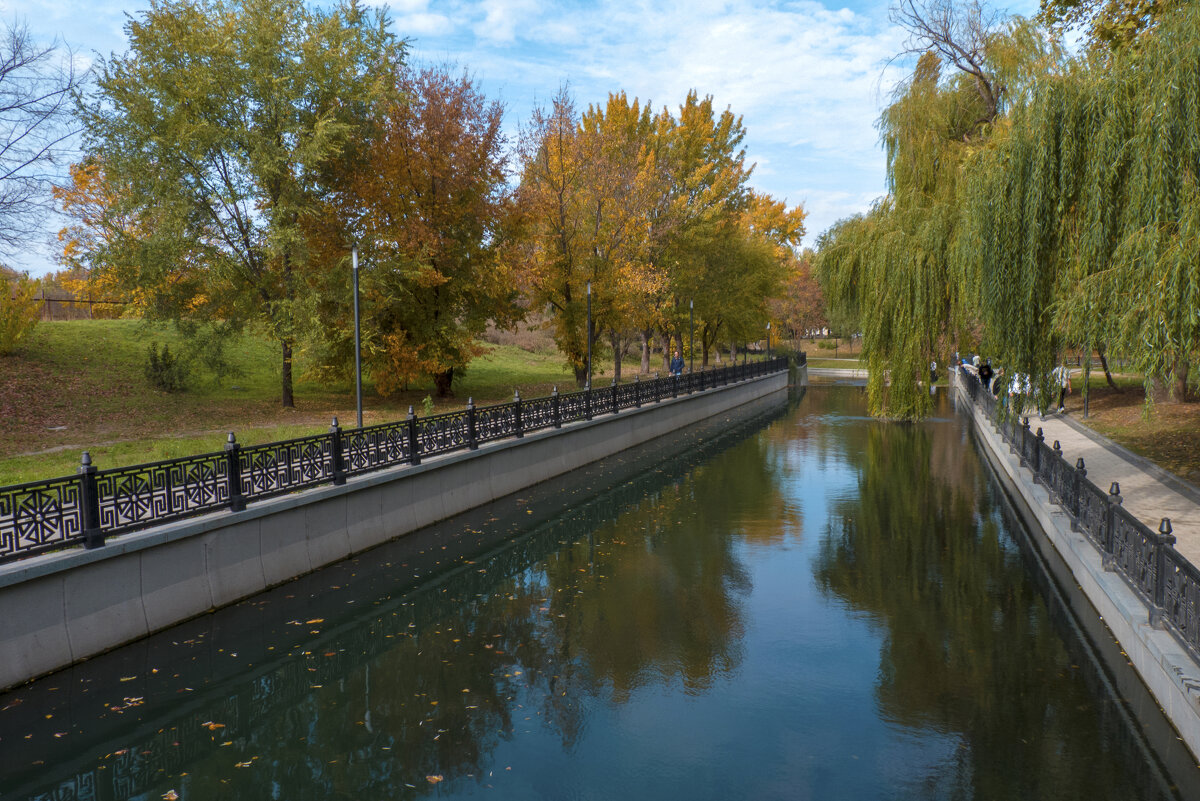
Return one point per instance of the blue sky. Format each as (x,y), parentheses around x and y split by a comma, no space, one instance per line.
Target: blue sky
(809,78)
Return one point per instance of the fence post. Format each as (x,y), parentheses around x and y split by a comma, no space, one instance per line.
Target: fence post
(614,396)
(587,400)
(89,502)
(1108,558)
(1037,450)
(1021,447)
(471,443)
(555,413)
(233,471)
(338,458)
(637,391)
(1164,540)
(657,388)
(414,442)
(674,385)
(518,423)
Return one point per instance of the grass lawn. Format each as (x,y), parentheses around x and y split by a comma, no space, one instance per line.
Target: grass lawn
(843,364)
(1169,436)
(80,385)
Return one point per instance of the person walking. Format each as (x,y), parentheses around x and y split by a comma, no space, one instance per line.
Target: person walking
(677,364)
(1061,376)
(985,374)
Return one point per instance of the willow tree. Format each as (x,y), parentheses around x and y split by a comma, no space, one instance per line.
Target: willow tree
(1090,209)
(897,269)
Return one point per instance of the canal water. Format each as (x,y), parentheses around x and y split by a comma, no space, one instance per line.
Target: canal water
(802,603)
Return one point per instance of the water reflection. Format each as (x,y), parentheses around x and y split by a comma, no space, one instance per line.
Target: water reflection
(420,690)
(968,648)
(811,606)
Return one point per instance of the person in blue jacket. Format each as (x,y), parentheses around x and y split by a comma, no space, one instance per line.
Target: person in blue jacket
(677,364)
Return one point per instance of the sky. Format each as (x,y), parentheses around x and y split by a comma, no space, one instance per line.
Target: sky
(808,78)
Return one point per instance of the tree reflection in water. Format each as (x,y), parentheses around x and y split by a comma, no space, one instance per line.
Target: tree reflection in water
(969,648)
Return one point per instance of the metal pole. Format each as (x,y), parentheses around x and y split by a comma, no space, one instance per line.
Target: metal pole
(691,337)
(357,335)
(589,333)
(768,342)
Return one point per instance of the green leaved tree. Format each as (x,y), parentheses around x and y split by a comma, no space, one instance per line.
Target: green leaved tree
(221,125)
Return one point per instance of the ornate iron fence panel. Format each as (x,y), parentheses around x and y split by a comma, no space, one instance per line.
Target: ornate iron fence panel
(142,495)
(629,395)
(537,414)
(1181,599)
(495,422)
(442,432)
(1093,513)
(40,515)
(573,406)
(281,467)
(1133,552)
(44,515)
(375,447)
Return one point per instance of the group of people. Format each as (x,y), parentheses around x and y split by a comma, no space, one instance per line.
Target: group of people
(1020,383)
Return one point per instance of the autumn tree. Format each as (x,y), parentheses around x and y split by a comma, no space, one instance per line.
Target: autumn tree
(800,307)
(1108,24)
(219,125)
(707,192)
(428,202)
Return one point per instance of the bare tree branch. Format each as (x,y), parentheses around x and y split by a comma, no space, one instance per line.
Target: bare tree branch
(36,90)
(956,32)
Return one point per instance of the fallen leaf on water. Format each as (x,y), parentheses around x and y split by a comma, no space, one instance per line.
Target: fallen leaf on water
(314,620)
(170,795)
(434,779)
(212,726)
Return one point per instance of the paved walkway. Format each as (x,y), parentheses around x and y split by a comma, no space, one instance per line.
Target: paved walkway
(1147,491)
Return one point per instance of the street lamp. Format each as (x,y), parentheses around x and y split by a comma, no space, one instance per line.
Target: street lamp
(768,341)
(691,337)
(357,334)
(589,334)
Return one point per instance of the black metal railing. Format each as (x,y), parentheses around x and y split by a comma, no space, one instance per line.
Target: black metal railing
(41,516)
(1146,559)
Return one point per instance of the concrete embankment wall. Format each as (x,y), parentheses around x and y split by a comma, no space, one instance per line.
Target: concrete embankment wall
(1169,672)
(61,608)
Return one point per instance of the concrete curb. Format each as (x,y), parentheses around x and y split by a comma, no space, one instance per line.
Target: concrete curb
(1165,666)
(68,606)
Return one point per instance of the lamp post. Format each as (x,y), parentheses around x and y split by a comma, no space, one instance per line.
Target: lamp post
(691,337)
(589,334)
(768,342)
(357,335)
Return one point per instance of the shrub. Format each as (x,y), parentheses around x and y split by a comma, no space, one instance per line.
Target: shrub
(164,371)
(20,310)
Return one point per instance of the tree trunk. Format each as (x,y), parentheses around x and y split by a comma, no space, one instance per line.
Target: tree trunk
(615,339)
(581,375)
(1107,375)
(1181,377)
(443,383)
(288,400)
(646,343)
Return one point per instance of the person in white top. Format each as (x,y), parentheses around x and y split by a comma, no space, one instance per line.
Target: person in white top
(1061,377)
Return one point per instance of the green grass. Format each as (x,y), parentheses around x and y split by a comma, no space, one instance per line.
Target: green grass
(80,385)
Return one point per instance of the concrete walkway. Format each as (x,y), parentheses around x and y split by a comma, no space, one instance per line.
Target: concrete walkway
(1147,491)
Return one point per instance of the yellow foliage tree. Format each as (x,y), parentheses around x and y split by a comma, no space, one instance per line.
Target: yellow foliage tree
(20,310)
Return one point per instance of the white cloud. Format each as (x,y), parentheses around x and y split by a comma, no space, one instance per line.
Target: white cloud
(422,24)
(808,80)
